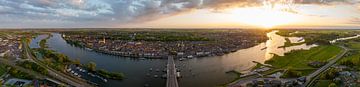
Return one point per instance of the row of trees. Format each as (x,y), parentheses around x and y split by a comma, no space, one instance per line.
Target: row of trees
(111,75)
(19,74)
(34,66)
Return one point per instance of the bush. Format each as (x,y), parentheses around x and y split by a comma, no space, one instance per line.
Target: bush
(91,66)
(291,73)
(34,66)
(117,76)
(332,85)
(18,74)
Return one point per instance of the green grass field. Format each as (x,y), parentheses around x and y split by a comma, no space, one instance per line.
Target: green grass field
(2,69)
(323,83)
(354,45)
(301,58)
(353,57)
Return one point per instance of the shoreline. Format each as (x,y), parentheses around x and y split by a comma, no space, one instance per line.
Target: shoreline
(138,56)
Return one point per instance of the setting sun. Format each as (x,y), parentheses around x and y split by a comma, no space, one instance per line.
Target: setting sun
(264,18)
(267,16)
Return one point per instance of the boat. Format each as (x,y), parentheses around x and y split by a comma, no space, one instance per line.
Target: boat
(150,69)
(181,59)
(157,70)
(178,74)
(264,48)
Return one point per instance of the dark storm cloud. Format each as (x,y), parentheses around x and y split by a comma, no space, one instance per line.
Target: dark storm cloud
(82,13)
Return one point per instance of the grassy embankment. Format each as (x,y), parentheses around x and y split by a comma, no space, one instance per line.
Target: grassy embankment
(297,61)
(3,69)
(351,59)
(300,58)
(323,83)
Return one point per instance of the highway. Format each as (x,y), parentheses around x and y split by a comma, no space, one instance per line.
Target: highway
(171,80)
(310,78)
(54,73)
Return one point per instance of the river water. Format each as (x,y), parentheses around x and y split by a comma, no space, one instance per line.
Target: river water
(196,72)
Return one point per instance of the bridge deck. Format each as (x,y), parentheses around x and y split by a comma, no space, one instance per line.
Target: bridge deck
(171,74)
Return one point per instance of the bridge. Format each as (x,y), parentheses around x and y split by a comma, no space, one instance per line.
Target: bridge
(171,75)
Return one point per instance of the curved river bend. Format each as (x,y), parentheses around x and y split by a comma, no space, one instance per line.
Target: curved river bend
(196,72)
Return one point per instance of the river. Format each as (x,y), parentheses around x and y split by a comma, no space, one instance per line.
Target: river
(196,72)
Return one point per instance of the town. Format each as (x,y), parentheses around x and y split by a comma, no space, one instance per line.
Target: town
(162,43)
(10,45)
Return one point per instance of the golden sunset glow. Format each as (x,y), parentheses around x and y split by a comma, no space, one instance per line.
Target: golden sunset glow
(266,18)
(267,15)
(257,17)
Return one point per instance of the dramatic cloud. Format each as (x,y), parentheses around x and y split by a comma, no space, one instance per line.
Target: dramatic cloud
(82,13)
(354,21)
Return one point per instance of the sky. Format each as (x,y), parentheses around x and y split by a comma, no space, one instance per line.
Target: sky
(180,14)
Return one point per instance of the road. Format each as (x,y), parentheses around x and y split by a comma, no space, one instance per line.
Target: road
(13,64)
(241,81)
(171,80)
(54,73)
(30,72)
(309,78)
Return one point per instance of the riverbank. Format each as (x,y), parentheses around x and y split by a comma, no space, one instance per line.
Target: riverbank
(301,64)
(60,62)
(288,43)
(154,44)
(301,60)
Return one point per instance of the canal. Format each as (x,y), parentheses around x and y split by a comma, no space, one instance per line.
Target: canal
(196,72)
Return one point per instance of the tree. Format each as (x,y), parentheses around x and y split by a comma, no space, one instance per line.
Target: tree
(91,66)
(60,59)
(332,85)
(77,62)
(47,61)
(293,73)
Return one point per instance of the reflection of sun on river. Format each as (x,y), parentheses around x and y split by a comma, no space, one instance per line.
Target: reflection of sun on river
(275,41)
